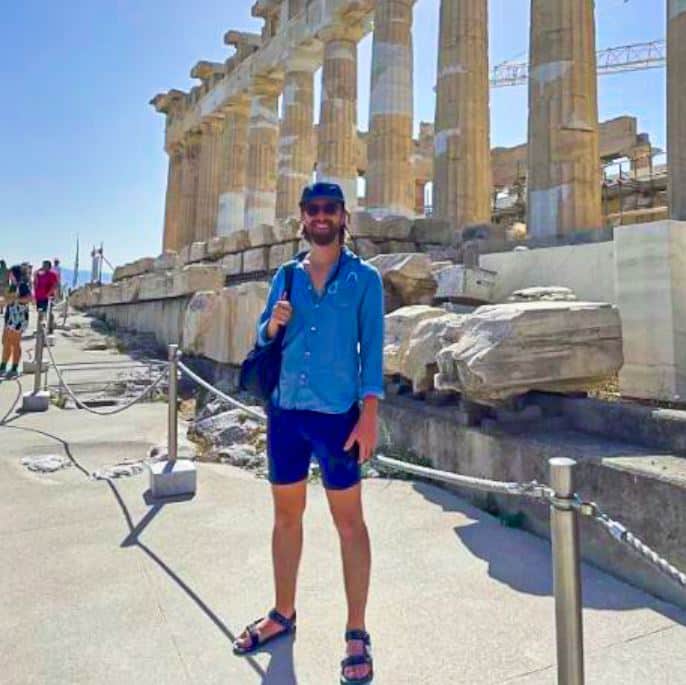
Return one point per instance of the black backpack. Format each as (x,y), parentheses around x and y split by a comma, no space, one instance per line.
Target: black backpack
(261,369)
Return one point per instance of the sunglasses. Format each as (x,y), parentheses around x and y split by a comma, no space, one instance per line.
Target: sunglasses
(329,208)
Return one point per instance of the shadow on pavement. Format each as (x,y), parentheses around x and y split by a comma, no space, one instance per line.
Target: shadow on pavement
(281,668)
(531,573)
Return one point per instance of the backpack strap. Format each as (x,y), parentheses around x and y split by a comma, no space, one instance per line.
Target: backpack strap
(289,268)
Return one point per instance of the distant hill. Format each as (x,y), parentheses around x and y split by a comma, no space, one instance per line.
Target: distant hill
(83,277)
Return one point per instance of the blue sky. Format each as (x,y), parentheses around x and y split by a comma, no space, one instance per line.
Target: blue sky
(82,149)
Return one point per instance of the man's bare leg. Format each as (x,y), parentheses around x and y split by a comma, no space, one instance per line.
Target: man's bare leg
(287,541)
(346,509)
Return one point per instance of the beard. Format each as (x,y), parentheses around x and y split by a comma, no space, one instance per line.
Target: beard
(323,237)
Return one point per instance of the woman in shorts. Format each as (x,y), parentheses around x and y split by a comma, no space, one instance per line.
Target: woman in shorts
(16,322)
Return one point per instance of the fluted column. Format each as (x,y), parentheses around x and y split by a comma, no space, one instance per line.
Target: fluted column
(215,177)
(462,161)
(564,193)
(208,184)
(296,139)
(390,184)
(263,132)
(172,209)
(234,151)
(189,188)
(337,140)
(676,107)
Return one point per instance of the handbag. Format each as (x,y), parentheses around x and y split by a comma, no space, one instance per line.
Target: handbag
(261,369)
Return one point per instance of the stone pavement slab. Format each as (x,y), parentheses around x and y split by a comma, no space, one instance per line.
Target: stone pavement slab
(102,585)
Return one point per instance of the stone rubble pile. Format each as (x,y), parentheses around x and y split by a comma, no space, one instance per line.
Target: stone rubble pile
(502,351)
(507,350)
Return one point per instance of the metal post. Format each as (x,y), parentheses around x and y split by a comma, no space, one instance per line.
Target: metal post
(566,575)
(65,313)
(172,432)
(40,341)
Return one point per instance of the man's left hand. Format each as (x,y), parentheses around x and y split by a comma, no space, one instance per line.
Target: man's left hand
(366,431)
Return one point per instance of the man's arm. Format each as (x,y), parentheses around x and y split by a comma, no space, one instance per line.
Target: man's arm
(371,336)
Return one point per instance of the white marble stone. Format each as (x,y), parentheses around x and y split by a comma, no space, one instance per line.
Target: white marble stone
(398,328)
(506,350)
(650,281)
(469,285)
(222,325)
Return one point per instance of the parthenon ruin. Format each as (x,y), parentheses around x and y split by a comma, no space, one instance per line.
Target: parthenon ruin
(235,162)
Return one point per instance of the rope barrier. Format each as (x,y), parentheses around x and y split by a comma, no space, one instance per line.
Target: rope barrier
(620,533)
(222,396)
(118,410)
(532,489)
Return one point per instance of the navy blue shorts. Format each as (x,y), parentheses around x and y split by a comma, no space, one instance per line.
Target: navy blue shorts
(294,436)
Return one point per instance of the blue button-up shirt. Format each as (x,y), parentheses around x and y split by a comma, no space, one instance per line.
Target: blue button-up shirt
(333,346)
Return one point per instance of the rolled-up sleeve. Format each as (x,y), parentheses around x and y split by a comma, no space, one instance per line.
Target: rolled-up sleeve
(277,286)
(371,336)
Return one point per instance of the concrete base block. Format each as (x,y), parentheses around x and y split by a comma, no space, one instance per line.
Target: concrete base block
(30,367)
(39,401)
(173,478)
(50,339)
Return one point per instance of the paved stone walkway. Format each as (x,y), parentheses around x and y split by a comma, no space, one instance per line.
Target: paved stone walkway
(99,585)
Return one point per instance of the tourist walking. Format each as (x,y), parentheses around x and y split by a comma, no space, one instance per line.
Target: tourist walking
(45,287)
(16,322)
(325,405)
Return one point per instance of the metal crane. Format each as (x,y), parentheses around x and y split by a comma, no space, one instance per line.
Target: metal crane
(634,57)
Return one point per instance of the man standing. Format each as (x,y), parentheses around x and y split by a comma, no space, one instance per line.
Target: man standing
(44,287)
(332,361)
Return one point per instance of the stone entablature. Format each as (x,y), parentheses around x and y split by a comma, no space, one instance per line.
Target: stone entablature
(267,59)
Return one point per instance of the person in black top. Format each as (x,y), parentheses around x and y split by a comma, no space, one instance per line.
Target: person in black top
(16,322)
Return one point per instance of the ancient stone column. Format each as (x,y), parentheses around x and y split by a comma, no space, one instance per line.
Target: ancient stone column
(209,179)
(263,133)
(419,197)
(462,161)
(234,152)
(296,140)
(295,7)
(676,107)
(337,139)
(172,209)
(564,189)
(390,184)
(189,188)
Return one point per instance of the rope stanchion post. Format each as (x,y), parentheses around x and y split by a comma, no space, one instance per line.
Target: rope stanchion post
(564,530)
(173,477)
(37,400)
(172,431)
(38,356)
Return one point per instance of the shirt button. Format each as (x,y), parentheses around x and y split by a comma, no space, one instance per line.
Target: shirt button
(316,306)
(309,287)
(308,353)
(313,329)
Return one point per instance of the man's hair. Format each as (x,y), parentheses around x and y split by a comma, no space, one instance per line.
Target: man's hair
(47,264)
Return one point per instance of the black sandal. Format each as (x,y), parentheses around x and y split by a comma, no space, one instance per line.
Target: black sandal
(255,642)
(358,659)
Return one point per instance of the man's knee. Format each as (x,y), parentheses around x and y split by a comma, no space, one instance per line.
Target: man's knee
(289,515)
(350,526)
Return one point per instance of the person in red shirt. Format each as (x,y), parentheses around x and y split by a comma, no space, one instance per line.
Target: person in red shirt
(45,282)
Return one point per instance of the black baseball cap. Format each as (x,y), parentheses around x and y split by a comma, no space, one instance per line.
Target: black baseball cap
(322,191)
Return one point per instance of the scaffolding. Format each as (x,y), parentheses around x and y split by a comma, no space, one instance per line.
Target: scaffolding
(636,57)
